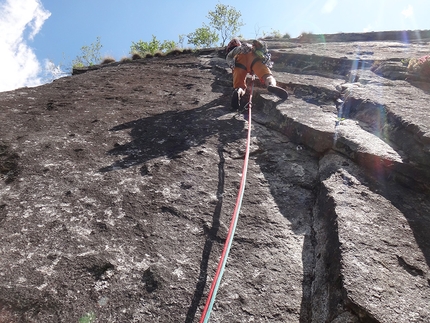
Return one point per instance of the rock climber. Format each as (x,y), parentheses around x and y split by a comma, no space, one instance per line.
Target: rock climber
(245,58)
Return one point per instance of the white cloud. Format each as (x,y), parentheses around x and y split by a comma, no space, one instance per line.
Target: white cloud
(329,6)
(20,21)
(408,12)
(52,71)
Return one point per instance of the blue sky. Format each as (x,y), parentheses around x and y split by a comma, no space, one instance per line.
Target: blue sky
(37,36)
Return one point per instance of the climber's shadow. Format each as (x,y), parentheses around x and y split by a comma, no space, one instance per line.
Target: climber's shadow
(414,205)
(171,133)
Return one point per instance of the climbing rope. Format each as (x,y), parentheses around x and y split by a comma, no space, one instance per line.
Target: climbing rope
(223,260)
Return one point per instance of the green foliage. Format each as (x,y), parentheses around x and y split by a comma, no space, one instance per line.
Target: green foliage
(90,55)
(276,33)
(273,34)
(405,61)
(168,45)
(306,34)
(88,318)
(203,37)
(181,40)
(142,48)
(226,21)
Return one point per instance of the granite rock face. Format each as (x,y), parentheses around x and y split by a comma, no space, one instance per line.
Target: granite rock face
(118,184)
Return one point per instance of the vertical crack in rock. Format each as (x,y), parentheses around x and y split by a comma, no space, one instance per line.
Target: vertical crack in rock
(327,286)
(291,173)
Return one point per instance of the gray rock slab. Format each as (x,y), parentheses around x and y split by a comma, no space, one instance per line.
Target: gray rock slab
(381,268)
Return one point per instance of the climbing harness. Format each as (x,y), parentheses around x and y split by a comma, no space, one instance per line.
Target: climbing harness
(223,260)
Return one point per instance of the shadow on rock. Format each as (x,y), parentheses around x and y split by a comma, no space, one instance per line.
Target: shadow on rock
(292,173)
(171,133)
(415,207)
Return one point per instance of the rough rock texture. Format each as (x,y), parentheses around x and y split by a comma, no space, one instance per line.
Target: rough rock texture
(118,185)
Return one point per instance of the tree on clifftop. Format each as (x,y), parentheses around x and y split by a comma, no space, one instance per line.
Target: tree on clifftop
(203,37)
(151,47)
(226,20)
(90,55)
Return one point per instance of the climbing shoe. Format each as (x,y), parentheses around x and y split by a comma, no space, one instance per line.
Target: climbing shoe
(235,99)
(278,91)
